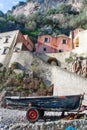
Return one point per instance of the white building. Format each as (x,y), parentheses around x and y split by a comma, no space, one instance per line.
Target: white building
(13,42)
(80,42)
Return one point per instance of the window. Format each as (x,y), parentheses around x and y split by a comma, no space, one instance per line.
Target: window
(77,45)
(64,41)
(44,49)
(46,39)
(6,40)
(76,42)
(60,50)
(5,51)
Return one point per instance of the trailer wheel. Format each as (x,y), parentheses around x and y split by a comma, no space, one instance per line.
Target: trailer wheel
(32,114)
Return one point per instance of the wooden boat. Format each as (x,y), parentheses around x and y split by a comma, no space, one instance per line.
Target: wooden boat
(37,105)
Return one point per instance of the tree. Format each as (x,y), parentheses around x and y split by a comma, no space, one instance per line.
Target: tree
(31,26)
(10,18)
(21,19)
(51,11)
(1,14)
(84,2)
(21,3)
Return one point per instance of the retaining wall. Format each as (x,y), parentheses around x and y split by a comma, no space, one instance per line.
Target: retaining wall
(67,83)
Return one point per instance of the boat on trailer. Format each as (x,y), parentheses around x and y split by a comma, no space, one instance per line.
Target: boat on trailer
(36,106)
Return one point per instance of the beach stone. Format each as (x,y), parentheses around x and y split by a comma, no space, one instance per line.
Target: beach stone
(16,120)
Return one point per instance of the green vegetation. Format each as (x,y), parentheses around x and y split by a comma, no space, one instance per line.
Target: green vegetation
(21,84)
(14,65)
(42,85)
(71,58)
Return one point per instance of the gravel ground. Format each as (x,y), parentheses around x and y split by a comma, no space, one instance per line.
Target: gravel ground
(16,120)
(10,118)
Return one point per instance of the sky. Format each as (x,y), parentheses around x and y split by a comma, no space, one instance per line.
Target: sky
(6,5)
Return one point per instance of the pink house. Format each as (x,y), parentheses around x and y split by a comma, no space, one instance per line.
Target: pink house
(51,44)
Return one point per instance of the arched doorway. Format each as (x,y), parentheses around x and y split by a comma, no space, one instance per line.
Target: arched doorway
(53,61)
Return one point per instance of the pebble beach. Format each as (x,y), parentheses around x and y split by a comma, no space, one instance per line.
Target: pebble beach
(16,120)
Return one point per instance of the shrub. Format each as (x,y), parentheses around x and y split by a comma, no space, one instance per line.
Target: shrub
(31,26)
(20,88)
(68,60)
(42,85)
(14,65)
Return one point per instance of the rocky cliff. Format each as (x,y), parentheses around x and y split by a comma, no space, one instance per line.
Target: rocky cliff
(41,6)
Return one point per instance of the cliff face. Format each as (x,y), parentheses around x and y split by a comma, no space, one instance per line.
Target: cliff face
(42,5)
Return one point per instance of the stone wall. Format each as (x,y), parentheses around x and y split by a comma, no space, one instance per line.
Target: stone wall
(67,83)
(59,56)
(26,59)
(23,57)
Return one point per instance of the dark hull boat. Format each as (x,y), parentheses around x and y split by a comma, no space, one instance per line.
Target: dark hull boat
(47,102)
(37,105)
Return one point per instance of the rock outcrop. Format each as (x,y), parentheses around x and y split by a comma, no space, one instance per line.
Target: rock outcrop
(79,66)
(42,5)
